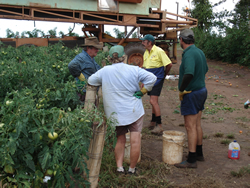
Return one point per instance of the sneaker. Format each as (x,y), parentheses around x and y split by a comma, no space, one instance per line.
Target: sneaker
(131,173)
(157,131)
(198,158)
(185,164)
(121,172)
(150,126)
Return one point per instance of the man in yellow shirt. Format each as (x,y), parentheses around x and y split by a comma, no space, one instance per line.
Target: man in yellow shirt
(156,61)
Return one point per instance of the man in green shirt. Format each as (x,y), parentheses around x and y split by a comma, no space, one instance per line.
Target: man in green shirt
(193,94)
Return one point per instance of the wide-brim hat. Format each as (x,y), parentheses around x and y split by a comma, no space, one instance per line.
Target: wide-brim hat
(92,41)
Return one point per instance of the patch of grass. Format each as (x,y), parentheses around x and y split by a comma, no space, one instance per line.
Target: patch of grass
(230,136)
(205,136)
(219,135)
(225,141)
(151,173)
(226,108)
(217,104)
(211,111)
(216,67)
(172,88)
(215,96)
(220,119)
(244,119)
(243,171)
(176,111)
(145,131)
(198,182)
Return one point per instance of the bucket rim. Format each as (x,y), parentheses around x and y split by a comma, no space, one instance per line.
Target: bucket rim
(171,131)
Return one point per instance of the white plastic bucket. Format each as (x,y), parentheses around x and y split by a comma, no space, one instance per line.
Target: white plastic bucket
(172,147)
(127,150)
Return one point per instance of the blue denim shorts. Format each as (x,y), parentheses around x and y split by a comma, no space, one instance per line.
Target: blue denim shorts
(193,102)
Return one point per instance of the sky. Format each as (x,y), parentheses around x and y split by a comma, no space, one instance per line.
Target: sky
(168,5)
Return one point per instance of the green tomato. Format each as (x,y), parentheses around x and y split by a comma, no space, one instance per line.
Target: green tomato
(49,172)
(54,173)
(1,125)
(54,136)
(40,137)
(14,131)
(8,102)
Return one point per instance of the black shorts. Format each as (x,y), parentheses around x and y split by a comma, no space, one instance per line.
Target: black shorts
(156,91)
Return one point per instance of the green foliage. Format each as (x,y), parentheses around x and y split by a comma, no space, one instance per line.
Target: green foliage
(118,33)
(225,142)
(218,135)
(243,171)
(231,136)
(39,96)
(232,41)
(203,12)
(11,34)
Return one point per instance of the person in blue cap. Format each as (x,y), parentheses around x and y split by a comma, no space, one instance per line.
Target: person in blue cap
(122,101)
(155,60)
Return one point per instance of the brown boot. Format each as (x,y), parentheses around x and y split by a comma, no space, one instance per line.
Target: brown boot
(150,126)
(157,130)
(185,164)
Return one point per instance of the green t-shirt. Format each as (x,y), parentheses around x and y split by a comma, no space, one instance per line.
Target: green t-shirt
(193,62)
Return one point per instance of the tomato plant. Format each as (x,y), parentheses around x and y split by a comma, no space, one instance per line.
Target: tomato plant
(38,98)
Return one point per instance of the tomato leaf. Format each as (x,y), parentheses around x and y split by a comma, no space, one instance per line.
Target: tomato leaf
(44,157)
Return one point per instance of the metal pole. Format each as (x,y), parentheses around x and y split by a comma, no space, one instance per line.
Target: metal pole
(177,8)
(177,12)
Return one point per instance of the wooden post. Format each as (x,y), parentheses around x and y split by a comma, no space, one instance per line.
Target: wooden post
(90,97)
(95,152)
(98,138)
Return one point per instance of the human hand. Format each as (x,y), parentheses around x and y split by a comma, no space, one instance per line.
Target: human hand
(182,93)
(142,85)
(81,77)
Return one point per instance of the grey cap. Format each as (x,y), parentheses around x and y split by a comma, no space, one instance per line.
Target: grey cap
(187,34)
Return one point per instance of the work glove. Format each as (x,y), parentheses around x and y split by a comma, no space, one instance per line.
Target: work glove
(81,82)
(140,93)
(81,77)
(182,93)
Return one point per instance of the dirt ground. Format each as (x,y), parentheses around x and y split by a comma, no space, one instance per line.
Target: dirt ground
(224,113)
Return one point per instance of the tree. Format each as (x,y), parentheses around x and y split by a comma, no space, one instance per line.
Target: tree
(204,13)
(52,33)
(118,33)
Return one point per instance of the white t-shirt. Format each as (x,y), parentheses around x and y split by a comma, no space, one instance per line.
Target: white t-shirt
(119,83)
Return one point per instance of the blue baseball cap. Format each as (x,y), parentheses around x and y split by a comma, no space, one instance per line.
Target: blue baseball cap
(148,37)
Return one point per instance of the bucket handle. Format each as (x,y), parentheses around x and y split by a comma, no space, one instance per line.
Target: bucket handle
(176,143)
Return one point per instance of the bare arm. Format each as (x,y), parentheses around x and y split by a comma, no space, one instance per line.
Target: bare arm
(167,69)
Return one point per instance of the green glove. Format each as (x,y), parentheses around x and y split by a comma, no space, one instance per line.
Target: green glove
(80,84)
(138,94)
